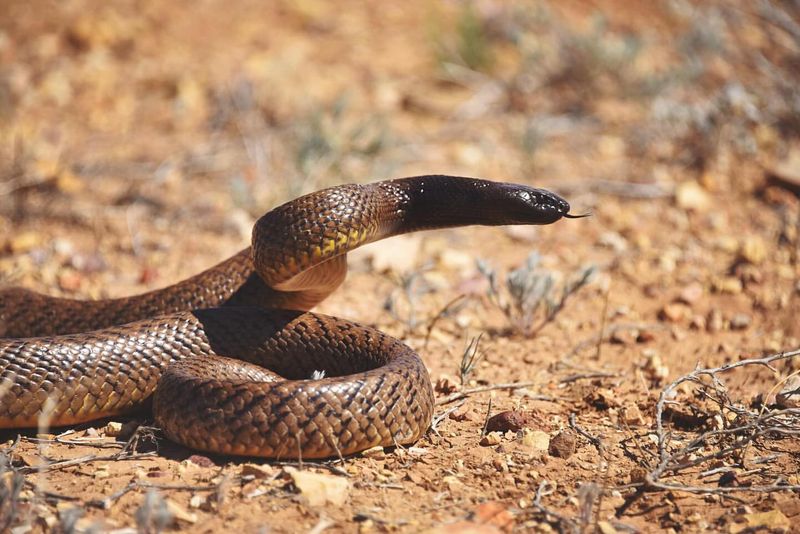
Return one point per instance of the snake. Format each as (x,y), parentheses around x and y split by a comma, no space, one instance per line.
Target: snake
(231,360)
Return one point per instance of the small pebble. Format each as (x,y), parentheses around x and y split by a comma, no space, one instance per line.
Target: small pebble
(508,421)
(645,335)
(690,195)
(463,413)
(691,294)
(715,322)
(491,439)
(753,250)
(112,429)
(200,460)
(624,337)
(534,439)
(675,312)
(563,444)
(740,321)
(728,285)
(632,415)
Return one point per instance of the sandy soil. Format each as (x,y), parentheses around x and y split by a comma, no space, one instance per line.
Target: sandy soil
(139,142)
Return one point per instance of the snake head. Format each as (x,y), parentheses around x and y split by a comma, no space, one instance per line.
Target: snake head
(529,205)
(440,201)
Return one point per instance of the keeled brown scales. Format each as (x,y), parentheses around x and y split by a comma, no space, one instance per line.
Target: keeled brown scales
(175,345)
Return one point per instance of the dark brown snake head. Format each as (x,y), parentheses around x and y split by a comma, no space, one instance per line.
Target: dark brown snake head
(529,205)
(446,201)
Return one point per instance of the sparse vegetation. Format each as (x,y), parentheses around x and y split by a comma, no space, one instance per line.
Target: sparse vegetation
(468,45)
(469,359)
(532,296)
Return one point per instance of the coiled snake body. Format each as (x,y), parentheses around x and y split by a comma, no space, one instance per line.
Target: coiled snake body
(64,361)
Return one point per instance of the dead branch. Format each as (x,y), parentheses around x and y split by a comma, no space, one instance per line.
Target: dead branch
(746,429)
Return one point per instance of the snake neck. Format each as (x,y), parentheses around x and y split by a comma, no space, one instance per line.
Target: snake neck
(329,223)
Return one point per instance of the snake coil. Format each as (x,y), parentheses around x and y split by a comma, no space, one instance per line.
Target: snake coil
(64,361)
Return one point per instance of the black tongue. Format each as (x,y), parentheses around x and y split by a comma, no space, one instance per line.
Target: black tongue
(581,216)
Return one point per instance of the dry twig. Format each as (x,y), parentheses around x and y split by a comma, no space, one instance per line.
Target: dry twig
(745,429)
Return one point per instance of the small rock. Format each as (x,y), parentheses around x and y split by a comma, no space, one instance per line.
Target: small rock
(196,501)
(491,439)
(112,429)
(452,482)
(654,367)
(563,444)
(690,195)
(727,243)
(23,242)
(101,471)
(500,464)
(614,241)
(508,421)
(320,489)
(463,413)
(446,384)
(200,460)
(121,431)
(675,312)
(70,281)
(68,182)
(753,250)
(148,275)
(534,439)
(632,415)
(691,294)
(749,274)
(645,335)
(698,322)
(377,453)
(740,321)
(694,518)
(715,321)
(624,337)
(729,285)
(601,398)
(789,395)
(259,472)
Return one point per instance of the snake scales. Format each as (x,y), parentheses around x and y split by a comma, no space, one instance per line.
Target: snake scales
(66,361)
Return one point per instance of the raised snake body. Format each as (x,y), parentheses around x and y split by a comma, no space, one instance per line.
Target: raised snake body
(64,361)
